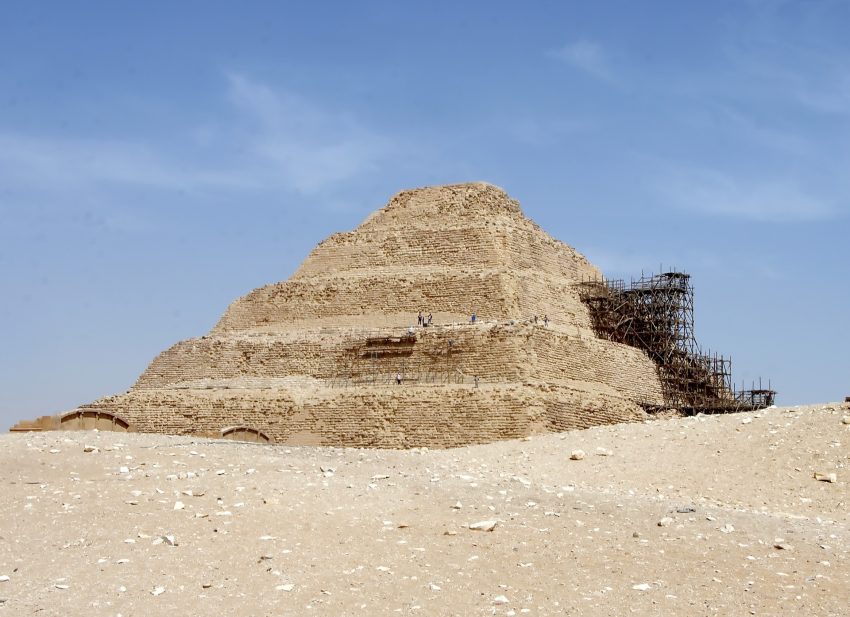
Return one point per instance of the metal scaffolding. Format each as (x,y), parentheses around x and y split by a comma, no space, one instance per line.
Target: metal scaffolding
(656,314)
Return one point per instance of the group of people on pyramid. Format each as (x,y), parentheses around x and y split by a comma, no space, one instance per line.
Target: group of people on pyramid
(424,321)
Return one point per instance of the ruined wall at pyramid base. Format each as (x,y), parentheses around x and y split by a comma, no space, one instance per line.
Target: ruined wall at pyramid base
(378,416)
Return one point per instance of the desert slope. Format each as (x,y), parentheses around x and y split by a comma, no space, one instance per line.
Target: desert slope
(696,516)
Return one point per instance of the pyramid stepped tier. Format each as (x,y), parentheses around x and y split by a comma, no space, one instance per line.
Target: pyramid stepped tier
(494,353)
(450,296)
(448,250)
(318,359)
(377,416)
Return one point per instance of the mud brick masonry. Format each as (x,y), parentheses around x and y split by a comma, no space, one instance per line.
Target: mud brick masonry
(317,359)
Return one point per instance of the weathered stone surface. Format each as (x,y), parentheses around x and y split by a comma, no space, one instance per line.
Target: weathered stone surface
(317,359)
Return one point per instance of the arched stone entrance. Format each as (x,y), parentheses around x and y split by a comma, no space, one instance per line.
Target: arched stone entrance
(245,433)
(90,419)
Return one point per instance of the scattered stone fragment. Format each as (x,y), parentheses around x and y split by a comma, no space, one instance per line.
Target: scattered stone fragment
(123,470)
(642,587)
(782,546)
(746,420)
(59,586)
(603,452)
(4,578)
(169,540)
(206,585)
(179,505)
(666,521)
(845,420)
(90,449)
(434,587)
(287,587)
(577,455)
(483,526)
(457,506)
(499,600)
(727,528)
(157,591)
(826,477)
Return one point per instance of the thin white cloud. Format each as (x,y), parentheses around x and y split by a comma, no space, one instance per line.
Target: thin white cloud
(309,147)
(62,164)
(617,263)
(816,80)
(586,56)
(268,140)
(718,193)
(787,139)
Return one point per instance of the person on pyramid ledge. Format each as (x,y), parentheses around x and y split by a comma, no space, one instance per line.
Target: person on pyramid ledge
(474,317)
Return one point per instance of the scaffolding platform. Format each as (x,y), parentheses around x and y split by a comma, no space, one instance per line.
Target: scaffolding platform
(655,313)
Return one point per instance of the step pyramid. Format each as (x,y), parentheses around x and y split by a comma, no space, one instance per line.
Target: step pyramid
(317,359)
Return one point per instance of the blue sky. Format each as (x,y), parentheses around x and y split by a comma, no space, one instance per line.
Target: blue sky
(157,160)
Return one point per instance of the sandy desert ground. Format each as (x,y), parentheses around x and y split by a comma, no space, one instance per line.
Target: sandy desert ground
(714,515)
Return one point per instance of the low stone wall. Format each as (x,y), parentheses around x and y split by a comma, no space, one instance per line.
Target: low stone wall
(394,417)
